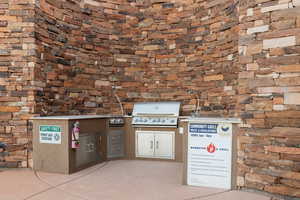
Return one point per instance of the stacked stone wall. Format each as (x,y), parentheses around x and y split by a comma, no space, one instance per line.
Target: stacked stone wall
(182,54)
(77,43)
(269,58)
(185,50)
(17,61)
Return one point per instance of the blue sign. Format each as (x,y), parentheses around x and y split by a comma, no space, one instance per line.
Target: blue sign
(203,128)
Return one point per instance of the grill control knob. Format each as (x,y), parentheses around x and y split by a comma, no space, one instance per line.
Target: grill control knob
(173,121)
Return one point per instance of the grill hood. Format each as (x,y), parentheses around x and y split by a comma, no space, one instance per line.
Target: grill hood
(156,109)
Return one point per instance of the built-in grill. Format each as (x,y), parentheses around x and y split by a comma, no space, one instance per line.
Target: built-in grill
(155,114)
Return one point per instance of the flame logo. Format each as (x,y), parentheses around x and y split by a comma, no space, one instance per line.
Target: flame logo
(211,148)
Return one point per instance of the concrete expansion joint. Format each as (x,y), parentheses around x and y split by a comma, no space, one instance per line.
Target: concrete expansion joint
(51,186)
(208,195)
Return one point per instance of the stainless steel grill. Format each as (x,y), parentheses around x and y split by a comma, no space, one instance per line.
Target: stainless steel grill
(156,114)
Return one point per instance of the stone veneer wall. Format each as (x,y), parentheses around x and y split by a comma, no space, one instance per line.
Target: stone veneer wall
(177,55)
(269,86)
(17,60)
(184,49)
(224,52)
(77,42)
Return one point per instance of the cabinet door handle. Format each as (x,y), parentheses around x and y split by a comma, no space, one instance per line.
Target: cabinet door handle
(151,145)
(92,147)
(157,144)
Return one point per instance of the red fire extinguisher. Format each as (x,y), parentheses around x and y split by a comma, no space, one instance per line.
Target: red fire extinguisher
(75,136)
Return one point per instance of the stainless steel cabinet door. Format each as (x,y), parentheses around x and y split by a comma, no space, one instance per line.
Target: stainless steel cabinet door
(115,144)
(144,144)
(87,152)
(164,145)
(155,144)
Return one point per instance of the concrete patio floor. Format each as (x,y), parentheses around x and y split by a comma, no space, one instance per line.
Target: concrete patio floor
(114,180)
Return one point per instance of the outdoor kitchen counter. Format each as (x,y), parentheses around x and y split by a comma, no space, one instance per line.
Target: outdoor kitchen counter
(74,117)
(66,144)
(210,119)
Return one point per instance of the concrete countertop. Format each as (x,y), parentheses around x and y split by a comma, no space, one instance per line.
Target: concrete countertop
(212,120)
(74,117)
(182,118)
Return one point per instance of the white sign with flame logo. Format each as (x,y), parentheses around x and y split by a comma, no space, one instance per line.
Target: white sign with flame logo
(209,155)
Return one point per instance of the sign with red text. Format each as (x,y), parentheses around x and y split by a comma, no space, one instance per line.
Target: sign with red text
(209,155)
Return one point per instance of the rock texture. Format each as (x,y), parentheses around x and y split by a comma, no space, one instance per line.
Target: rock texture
(187,51)
(182,54)
(268,96)
(236,58)
(77,43)
(17,61)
